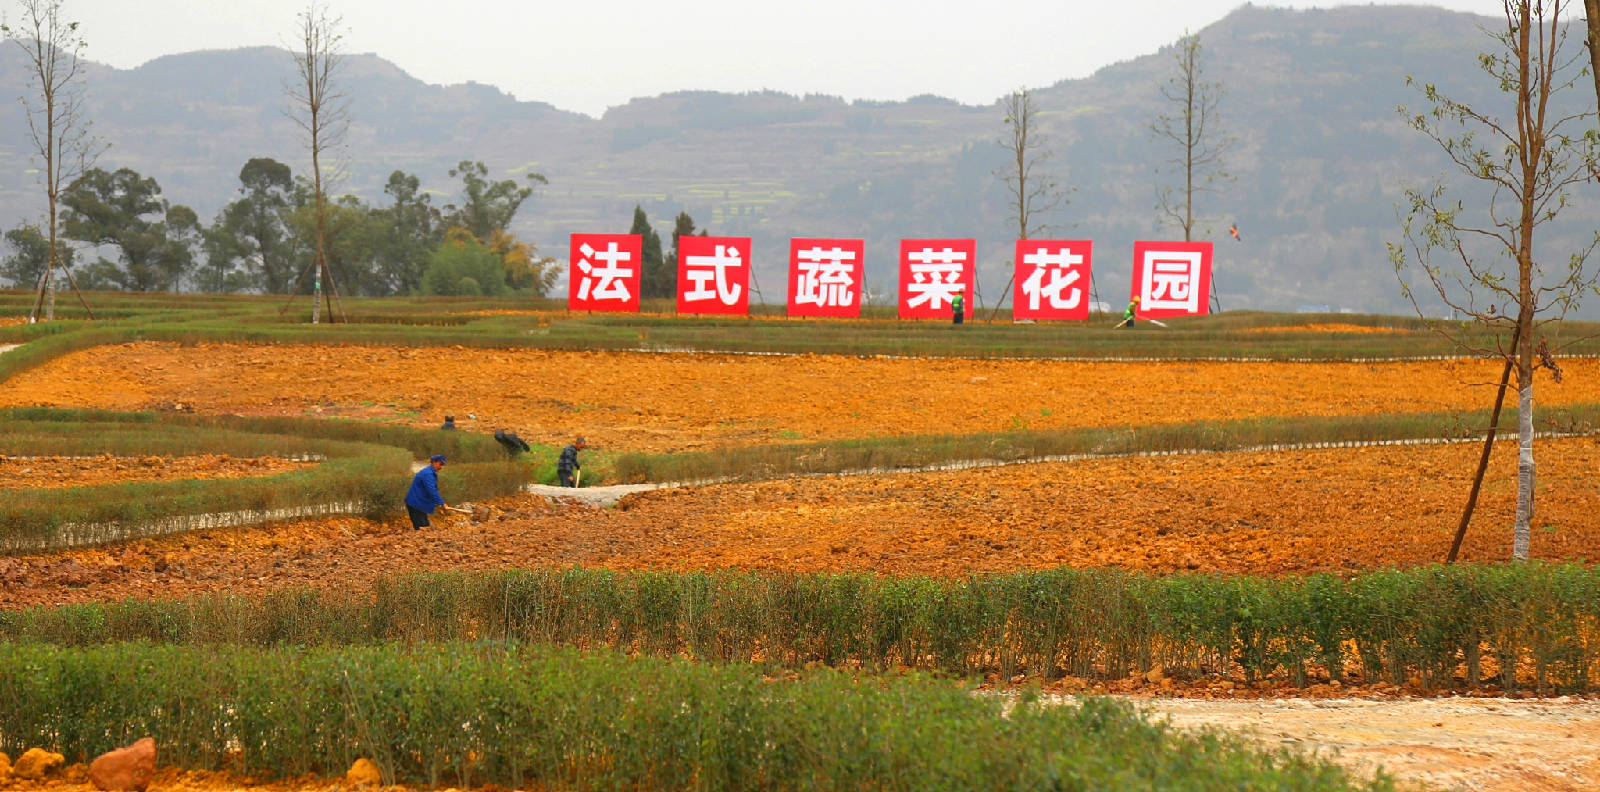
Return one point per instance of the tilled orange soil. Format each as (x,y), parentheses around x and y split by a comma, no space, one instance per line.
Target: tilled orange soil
(659,402)
(58,472)
(1264,512)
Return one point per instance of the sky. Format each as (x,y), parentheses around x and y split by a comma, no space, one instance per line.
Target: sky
(589,56)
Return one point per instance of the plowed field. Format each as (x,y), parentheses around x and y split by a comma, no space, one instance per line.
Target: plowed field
(1267,512)
(658,402)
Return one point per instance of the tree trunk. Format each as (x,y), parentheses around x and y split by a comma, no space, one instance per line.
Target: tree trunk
(1591,10)
(1520,530)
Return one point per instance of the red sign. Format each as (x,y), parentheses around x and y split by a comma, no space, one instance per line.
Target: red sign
(1052,279)
(1172,278)
(605,270)
(713,275)
(825,276)
(932,273)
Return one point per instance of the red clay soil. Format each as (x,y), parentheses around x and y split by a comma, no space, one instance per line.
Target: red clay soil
(58,472)
(659,402)
(1267,512)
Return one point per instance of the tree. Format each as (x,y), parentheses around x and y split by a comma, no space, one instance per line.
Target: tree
(414,228)
(1031,193)
(667,274)
(30,255)
(463,266)
(1483,263)
(126,211)
(322,112)
(249,245)
(58,126)
(1592,16)
(487,206)
(1193,125)
(657,277)
(486,211)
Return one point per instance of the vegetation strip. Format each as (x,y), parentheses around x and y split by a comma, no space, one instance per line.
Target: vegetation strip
(366,470)
(930,452)
(1528,626)
(538,719)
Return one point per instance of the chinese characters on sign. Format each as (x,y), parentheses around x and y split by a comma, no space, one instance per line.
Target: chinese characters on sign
(1052,279)
(605,272)
(714,275)
(1172,278)
(825,276)
(932,271)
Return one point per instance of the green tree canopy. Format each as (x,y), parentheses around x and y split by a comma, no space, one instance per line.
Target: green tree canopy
(125,210)
(248,245)
(463,266)
(657,277)
(30,253)
(487,206)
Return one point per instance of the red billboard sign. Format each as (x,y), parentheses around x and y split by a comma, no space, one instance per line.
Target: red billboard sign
(932,272)
(825,276)
(713,275)
(1172,278)
(1052,279)
(604,272)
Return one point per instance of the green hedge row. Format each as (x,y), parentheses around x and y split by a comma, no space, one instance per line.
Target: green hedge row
(463,716)
(1525,625)
(889,453)
(366,469)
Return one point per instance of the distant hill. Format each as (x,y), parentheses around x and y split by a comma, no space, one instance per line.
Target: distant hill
(1319,159)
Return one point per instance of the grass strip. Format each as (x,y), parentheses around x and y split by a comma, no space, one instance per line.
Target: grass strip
(468,716)
(922,451)
(1522,626)
(367,471)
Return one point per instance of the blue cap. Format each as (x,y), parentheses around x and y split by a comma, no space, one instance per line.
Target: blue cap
(437,458)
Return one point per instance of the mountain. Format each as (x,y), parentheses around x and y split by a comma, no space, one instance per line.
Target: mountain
(1319,157)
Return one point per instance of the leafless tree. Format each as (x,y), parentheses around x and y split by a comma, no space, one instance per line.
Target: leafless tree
(1194,124)
(322,111)
(1031,192)
(1483,263)
(58,126)
(1591,11)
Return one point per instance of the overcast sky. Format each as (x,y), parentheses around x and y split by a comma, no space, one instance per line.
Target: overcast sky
(590,55)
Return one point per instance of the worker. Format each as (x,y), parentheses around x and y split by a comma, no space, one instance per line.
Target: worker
(567,466)
(958,307)
(1128,314)
(424,496)
(449,423)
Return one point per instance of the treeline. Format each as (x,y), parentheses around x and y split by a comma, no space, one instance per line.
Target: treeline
(263,241)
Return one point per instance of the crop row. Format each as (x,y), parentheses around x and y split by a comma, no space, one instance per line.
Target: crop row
(365,469)
(1528,625)
(529,718)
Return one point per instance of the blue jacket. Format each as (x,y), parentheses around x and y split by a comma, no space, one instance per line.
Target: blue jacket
(424,494)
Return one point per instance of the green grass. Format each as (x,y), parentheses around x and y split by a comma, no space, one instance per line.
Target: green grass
(467,715)
(1435,623)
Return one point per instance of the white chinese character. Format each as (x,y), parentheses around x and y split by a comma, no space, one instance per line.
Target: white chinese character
(935,276)
(1171,281)
(704,269)
(1056,266)
(612,285)
(825,278)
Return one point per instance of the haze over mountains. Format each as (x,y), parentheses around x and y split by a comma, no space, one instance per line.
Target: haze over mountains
(1319,159)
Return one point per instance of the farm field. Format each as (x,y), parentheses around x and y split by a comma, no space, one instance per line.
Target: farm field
(677,402)
(1273,513)
(1269,513)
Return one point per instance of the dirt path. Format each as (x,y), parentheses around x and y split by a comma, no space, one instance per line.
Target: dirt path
(1483,745)
(654,402)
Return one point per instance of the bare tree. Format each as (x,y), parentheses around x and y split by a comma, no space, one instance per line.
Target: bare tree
(58,126)
(1591,11)
(1194,124)
(1484,264)
(1031,193)
(322,111)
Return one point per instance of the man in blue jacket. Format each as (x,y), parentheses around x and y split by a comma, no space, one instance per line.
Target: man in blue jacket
(424,495)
